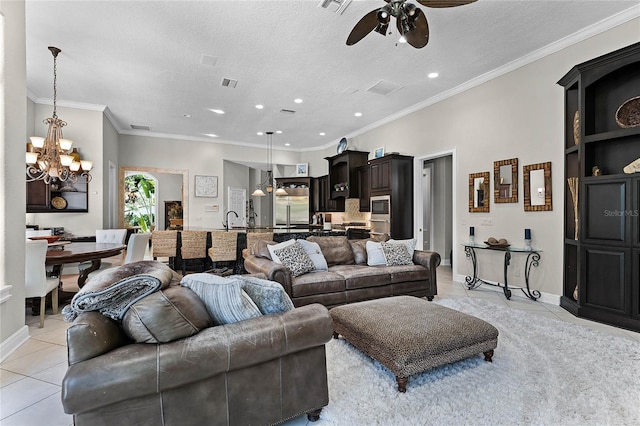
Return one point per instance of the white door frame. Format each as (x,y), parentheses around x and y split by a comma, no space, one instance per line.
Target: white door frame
(417,196)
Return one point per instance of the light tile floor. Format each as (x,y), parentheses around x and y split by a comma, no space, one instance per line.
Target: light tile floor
(30,378)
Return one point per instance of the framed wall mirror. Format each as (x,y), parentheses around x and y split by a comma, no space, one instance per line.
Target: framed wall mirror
(505,185)
(479,192)
(537,187)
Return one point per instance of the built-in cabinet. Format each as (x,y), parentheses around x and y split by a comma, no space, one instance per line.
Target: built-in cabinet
(364,191)
(321,195)
(58,196)
(392,175)
(602,242)
(343,173)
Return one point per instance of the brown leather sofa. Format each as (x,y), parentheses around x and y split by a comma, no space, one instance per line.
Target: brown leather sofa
(260,371)
(349,278)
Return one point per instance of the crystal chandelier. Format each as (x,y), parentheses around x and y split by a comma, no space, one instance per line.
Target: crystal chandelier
(268,182)
(51,157)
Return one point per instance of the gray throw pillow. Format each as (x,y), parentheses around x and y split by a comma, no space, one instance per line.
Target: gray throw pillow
(296,259)
(396,254)
(224,298)
(269,296)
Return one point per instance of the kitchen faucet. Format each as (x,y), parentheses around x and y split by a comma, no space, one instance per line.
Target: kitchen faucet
(226,225)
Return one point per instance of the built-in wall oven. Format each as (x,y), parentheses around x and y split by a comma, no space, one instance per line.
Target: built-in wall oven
(381,215)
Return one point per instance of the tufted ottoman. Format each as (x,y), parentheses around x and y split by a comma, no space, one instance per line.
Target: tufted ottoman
(409,335)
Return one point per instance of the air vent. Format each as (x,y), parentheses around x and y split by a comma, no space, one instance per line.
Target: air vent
(350,90)
(384,88)
(229,82)
(140,127)
(287,111)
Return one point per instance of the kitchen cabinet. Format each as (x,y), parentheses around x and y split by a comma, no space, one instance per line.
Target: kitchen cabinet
(58,196)
(601,236)
(322,201)
(343,173)
(364,174)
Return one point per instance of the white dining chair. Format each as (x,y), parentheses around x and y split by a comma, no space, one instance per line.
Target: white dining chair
(37,233)
(136,247)
(109,236)
(37,284)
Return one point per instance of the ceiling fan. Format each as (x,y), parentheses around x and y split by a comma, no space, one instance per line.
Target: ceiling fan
(410,20)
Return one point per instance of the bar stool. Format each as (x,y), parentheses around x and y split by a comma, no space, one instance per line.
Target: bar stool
(224,247)
(193,247)
(165,244)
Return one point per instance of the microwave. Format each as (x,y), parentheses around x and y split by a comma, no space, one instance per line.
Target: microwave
(381,205)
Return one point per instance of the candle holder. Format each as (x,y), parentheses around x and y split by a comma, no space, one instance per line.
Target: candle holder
(471,235)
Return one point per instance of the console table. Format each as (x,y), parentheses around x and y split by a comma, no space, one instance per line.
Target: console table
(533,258)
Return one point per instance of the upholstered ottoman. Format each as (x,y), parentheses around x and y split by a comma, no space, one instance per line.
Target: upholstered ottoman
(409,335)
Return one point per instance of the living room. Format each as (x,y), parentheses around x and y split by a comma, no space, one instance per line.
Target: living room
(515,111)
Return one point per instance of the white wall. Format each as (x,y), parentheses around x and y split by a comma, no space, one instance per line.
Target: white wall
(519,114)
(13,137)
(110,155)
(199,158)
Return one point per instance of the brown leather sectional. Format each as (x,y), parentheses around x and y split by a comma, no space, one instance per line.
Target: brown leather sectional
(349,278)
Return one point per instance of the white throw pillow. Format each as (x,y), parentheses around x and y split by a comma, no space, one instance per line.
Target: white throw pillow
(410,243)
(273,247)
(375,255)
(314,252)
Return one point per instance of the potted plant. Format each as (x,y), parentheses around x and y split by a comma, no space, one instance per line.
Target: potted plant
(139,202)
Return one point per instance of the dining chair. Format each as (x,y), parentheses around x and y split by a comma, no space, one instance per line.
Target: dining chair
(193,246)
(37,233)
(165,244)
(136,247)
(224,247)
(37,284)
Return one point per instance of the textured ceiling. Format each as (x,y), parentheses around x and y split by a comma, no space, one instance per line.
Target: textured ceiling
(151,63)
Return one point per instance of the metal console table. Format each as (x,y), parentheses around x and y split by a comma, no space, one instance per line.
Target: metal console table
(533,258)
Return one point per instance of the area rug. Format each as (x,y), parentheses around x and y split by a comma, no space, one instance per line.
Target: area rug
(544,372)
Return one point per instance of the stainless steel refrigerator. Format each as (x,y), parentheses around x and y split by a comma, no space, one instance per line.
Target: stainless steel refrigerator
(293,209)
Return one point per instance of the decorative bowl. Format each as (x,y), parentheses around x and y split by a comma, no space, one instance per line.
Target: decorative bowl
(50,238)
(628,114)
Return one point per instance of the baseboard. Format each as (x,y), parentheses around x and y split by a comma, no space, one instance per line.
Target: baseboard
(13,342)
(552,299)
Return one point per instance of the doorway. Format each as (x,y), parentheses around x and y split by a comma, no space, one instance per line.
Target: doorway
(435,179)
(184,187)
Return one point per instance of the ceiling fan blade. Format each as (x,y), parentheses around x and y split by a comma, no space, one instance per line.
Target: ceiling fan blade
(444,3)
(364,26)
(419,36)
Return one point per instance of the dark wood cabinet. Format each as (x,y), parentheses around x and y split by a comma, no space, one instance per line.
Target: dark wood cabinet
(343,173)
(321,196)
(380,172)
(58,196)
(602,242)
(364,179)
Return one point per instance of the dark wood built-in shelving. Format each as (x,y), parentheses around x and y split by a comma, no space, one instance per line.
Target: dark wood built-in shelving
(603,263)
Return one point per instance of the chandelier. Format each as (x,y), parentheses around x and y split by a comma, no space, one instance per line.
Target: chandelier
(51,157)
(268,182)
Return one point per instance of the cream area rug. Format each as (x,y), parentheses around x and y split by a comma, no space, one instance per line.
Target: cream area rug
(544,372)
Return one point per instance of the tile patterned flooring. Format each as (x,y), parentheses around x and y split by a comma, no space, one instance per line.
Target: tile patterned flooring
(30,378)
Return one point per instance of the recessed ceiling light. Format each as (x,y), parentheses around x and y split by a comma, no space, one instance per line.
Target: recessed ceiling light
(322,133)
(217,111)
(358,114)
(186,115)
(433,75)
(211,135)
(278,131)
(402,39)
(259,106)
(287,144)
(259,133)
(298,101)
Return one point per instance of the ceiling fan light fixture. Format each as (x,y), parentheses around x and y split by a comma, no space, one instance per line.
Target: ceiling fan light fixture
(382,29)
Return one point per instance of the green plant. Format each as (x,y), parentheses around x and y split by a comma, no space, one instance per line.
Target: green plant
(139,201)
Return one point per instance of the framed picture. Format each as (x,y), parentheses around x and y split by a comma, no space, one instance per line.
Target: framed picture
(379,152)
(302,169)
(206,186)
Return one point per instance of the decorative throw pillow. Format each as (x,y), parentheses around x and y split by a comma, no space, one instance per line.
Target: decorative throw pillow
(410,243)
(396,254)
(165,316)
(273,247)
(359,248)
(314,252)
(269,296)
(295,258)
(375,255)
(224,298)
